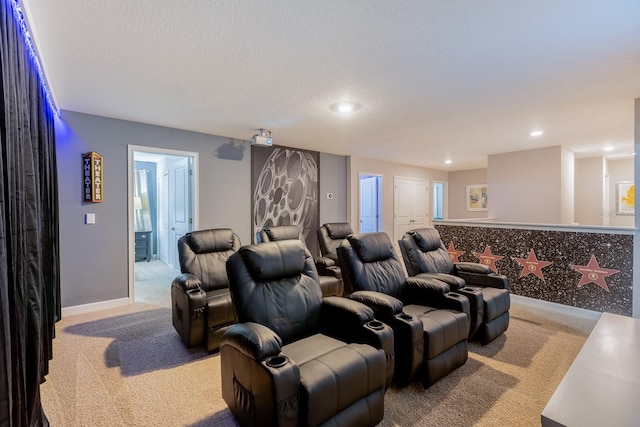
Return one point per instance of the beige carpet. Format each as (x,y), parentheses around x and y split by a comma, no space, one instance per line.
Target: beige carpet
(153,283)
(128,367)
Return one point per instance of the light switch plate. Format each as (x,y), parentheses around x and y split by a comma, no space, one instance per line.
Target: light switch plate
(90,218)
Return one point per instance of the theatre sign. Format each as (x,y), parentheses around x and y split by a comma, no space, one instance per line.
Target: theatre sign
(92,170)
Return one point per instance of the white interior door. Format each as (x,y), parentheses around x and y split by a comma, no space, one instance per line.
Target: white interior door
(369,204)
(411,205)
(176,176)
(180,203)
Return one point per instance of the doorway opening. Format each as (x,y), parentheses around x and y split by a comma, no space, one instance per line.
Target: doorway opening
(162,208)
(439,200)
(370,203)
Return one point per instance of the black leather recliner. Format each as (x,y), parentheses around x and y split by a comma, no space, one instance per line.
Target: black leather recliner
(201,305)
(296,358)
(330,277)
(330,236)
(425,255)
(430,324)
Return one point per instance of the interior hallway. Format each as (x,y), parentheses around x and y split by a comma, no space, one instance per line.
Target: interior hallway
(153,283)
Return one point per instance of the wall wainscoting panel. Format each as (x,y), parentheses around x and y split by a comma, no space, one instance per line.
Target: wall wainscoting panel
(584,269)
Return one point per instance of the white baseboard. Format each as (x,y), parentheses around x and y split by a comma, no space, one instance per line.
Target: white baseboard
(95,306)
(558,308)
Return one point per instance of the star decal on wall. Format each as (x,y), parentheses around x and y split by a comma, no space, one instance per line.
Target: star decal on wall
(531,265)
(453,254)
(592,272)
(487,258)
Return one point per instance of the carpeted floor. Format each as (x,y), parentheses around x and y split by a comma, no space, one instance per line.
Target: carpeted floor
(128,367)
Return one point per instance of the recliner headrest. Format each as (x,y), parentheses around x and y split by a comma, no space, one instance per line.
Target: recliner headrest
(427,239)
(214,240)
(371,247)
(282,232)
(339,230)
(275,260)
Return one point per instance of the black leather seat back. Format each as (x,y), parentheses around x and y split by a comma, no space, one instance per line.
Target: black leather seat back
(276,284)
(277,233)
(424,252)
(330,236)
(369,263)
(204,254)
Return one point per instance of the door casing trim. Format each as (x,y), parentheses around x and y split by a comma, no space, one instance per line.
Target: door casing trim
(130,191)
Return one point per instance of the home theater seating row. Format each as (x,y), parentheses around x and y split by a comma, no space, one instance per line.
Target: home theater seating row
(431,324)
(330,278)
(294,352)
(296,358)
(425,255)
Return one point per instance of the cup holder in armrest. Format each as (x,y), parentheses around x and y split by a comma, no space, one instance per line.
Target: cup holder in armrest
(405,316)
(277,361)
(194,291)
(376,325)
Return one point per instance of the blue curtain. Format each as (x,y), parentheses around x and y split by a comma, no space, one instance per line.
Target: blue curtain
(29,267)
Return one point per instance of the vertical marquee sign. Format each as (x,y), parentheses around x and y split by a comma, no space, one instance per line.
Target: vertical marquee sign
(92,171)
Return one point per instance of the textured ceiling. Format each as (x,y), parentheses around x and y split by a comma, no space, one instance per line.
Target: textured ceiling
(435,80)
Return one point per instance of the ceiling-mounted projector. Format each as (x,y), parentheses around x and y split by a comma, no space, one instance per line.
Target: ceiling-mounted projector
(262,138)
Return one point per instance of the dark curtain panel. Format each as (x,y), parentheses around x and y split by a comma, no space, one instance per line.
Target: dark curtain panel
(29,267)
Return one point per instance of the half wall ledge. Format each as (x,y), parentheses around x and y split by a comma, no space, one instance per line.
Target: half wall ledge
(581,266)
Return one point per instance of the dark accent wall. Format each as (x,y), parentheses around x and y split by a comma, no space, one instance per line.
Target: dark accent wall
(560,283)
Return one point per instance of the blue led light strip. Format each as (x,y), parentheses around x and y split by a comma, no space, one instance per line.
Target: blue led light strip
(26,35)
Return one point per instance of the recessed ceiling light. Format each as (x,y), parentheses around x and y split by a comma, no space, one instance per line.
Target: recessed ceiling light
(345,107)
(608,148)
(447,162)
(536,133)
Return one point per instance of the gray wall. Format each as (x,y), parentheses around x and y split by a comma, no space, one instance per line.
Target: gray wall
(458,182)
(94,258)
(589,191)
(527,186)
(636,237)
(387,171)
(333,179)
(619,170)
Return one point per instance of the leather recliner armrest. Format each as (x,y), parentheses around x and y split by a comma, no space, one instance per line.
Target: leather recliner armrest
(328,267)
(456,302)
(472,267)
(344,312)
(253,340)
(186,282)
(325,262)
(258,381)
(351,321)
(491,280)
(454,282)
(384,306)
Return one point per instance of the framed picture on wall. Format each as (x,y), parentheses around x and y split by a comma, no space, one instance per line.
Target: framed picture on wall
(477,197)
(625,203)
